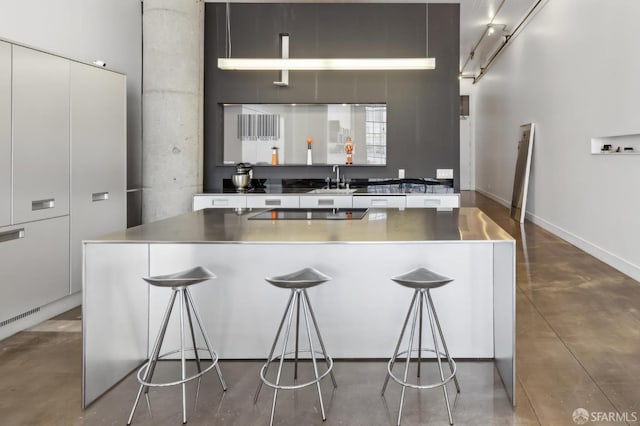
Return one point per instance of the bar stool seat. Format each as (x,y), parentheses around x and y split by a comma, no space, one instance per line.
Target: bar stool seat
(304,278)
(178,282)
(298,282)
(421,278)
(422,281)
(181,279)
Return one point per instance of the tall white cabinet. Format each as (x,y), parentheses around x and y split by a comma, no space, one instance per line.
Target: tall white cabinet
(98,129)
(62,173)
(5,134)
(40,126)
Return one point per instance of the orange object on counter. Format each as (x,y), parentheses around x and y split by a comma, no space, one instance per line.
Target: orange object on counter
(274,156)
(348,149)
(309,155)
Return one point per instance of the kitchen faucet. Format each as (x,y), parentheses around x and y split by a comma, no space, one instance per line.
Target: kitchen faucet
(336,170)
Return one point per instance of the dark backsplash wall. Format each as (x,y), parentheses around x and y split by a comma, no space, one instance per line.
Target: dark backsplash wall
(422,106)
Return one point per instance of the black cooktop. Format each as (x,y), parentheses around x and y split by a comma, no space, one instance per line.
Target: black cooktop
(362,186)
(311,214)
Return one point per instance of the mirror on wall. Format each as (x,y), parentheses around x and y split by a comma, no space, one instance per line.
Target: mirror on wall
(305,134)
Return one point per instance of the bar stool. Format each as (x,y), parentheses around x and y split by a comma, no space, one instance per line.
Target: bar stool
(422,281)
(178,283)
(298,282)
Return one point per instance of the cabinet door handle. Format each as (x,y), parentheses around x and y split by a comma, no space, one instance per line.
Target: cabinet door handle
(325,202)
(431,202)
(219,202)
(16,234)
(378,203)
(100,196)
(275,202)
(43,204)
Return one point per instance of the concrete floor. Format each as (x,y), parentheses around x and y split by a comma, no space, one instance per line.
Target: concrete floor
(578,346)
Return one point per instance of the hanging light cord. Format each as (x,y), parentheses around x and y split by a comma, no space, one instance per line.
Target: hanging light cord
(426,30)
(228,31)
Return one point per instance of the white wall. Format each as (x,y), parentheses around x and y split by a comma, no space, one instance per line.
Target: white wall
(109,30)
(574,72)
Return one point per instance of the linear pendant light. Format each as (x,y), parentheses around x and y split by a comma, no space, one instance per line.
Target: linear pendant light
(309,64)
(285,64)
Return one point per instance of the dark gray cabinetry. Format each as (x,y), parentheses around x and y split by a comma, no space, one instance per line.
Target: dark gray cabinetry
(98,132)
(40,126)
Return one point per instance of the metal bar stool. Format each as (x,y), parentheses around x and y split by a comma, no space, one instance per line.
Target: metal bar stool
(178,283)
(422,281)
(297,282)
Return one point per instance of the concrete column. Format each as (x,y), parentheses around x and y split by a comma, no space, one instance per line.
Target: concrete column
(172,105)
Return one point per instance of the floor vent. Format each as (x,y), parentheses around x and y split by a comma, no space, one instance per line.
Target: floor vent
(19,317)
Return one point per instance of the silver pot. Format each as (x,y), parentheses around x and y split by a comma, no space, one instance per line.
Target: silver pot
(240,181)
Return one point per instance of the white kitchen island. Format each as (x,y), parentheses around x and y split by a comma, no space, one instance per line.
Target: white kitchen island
(360,311)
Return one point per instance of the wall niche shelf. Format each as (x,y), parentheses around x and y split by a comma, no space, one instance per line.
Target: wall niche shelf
(623,141)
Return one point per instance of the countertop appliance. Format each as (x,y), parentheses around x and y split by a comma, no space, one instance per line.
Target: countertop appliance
(242,177)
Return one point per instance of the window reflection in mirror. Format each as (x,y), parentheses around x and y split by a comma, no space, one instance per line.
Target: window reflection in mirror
(340,134)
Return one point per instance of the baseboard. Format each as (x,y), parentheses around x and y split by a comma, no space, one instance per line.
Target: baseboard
(494,197)
(594,250)
(46,312)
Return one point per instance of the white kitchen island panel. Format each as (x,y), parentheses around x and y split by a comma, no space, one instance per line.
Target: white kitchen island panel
(115,312)
(360,310)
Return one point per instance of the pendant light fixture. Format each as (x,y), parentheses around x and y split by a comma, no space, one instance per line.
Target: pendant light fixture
(285,64)
(317,64)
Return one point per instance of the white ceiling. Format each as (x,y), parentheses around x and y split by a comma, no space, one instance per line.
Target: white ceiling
(475,15)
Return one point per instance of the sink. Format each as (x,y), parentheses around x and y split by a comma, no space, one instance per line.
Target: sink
(329,191)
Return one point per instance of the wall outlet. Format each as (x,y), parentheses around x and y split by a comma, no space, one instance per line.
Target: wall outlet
(400,173)
(444,173)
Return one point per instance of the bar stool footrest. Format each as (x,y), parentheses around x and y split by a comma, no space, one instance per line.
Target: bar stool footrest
(302,385)
(428,385)
(143,369)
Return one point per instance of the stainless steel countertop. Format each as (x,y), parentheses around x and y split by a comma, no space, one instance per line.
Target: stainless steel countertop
(379,225)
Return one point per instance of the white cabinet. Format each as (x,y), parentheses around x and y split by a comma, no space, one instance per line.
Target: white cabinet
(325,201)
(5,134)
(34,265)
(98,150)
(378,201)
(62,173)
(226,201)
(314,201)
(434,200)
(220,201)
(40,117)
(271,201)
